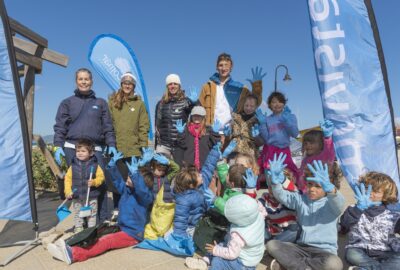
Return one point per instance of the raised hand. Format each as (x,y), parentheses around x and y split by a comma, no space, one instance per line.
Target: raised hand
(112,150)
(227,130)
(276,167)
(250,178)
(147,156)
(255,131)
(117,156)
(327,127)
(261,117)
(209,196)
(161,159)
(57,155)
(363,199)
(216,126)
(321,175)
(193,94)
(229,149)
(179,126)
(257,74)
(286,113)
(133,167)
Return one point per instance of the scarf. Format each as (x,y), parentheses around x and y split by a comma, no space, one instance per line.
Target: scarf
(195,130)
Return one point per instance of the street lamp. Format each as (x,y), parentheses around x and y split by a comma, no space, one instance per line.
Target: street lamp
(286,78)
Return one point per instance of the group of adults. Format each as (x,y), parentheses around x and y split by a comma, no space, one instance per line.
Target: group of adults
(122,123)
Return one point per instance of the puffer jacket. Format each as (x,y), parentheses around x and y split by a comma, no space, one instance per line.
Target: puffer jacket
(166,116)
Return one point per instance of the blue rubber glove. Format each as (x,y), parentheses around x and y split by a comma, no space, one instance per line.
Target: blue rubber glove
(250,178)
(179,126)
(133,167)
(321,175)
(209,196)
(286,113)
(217,147)
(255,131)
(227,130)
(57,155)
(363,199)
(193,94)
(276,167)
(147,156)
(261,117)
(161,159)
(115,158)
(257,74)
(229,149)
(112,150)
(216,126)
(327,128)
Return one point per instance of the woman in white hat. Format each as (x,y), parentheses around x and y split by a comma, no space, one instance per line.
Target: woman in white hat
(174,105)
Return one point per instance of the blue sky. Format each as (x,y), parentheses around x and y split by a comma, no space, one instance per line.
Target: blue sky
(185,37)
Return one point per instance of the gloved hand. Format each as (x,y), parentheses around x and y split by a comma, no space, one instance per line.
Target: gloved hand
(276,168)
(133,167)
(327,128)
(250,178)
(227,130)
(255,131)
(363,199)
(58,153)
(216,126)
(115,158)
(112,150)
(321,175)
(257,75)
(161,159)
(261,117)
(179,126)
(229,149)
(147,156)
(217,147)
(209,196)
(193,94)
(286,113)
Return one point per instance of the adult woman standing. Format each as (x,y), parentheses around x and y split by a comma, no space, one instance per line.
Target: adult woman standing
(174,105)
(84,116)
(130,121)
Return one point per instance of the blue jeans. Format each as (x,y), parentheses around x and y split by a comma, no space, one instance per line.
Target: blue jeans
(219,263)
(359,257)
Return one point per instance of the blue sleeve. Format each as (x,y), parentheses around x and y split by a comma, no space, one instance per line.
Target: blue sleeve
(142,193)
(181,216)
(349,218)
(291,200)
(117,179)
(335,203)
(291,126)
(108,129)
(63,119)
(264,132)
(208,168)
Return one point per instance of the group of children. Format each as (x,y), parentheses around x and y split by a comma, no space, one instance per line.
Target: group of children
(297,217)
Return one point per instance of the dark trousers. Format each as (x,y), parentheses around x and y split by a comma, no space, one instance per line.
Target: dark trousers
(295,257)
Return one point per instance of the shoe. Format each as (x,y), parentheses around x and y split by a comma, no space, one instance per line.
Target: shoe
(196,263)
(355,268)
(55,251)
(65,250)
(275,265)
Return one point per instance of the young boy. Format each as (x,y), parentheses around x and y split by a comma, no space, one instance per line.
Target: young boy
(317,214)
(221,94)
(83,165)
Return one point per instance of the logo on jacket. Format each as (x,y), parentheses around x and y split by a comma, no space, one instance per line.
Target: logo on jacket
(95,107)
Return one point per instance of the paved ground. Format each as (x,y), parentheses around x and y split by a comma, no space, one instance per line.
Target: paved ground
(127,258)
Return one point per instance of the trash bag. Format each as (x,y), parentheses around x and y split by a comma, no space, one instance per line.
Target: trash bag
(178,245)
(211,227)
(89,236)
(161,217)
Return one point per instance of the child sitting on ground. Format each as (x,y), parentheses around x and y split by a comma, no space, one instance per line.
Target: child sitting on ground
(84,173)
(136,196)
(317,215)
(372,226)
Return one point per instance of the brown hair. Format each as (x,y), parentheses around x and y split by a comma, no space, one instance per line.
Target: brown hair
(120,97)
(186,179)
(252,96)
(83,70)
(250,160)
(85,143)
(313,136)
(381,181)
(236,173)
(148,177)
(224,57)
(278,95)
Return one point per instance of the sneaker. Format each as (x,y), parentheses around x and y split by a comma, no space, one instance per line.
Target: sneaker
(55,251)
(355,268)
(65,251)
(196,263)
(275,265)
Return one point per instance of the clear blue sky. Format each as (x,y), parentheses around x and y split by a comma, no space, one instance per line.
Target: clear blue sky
(185,37)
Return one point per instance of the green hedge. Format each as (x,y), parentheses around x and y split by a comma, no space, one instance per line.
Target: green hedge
(43,177)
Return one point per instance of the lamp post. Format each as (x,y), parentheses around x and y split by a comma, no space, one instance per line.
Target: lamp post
(286,78)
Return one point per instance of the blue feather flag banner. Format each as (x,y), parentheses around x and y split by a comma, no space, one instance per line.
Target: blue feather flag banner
(111,57)
(353,85)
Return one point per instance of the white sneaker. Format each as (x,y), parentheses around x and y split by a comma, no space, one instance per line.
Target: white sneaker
(196,263)
(275,265)
(55,251)
(61,251)
(355,268)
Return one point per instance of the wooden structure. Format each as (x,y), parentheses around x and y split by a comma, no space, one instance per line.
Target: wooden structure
(31,53)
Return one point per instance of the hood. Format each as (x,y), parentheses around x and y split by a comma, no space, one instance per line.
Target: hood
(241,210)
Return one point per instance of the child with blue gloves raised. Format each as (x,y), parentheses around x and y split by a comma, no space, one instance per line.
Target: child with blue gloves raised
(371,226)
(317,213)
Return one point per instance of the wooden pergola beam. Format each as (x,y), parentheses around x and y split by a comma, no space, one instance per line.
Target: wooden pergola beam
(28,33)
(28,59)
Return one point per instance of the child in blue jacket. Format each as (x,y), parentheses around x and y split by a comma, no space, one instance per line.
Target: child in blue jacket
(136,197)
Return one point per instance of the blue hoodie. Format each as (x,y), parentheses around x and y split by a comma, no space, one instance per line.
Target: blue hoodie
(277,131)
(232,90)
(134,203)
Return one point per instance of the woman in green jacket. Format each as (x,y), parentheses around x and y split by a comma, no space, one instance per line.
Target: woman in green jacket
(130,121)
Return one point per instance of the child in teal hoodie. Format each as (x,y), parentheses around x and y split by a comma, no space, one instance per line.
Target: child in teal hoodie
(317,214)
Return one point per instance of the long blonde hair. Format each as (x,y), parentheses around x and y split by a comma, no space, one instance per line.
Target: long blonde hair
(179,95)
(120,97)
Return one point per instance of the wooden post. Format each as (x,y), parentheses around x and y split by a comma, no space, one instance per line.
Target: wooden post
(48,156)
(29,97)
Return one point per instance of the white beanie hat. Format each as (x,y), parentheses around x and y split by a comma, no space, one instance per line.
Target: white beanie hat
(172,78)
(129,77)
